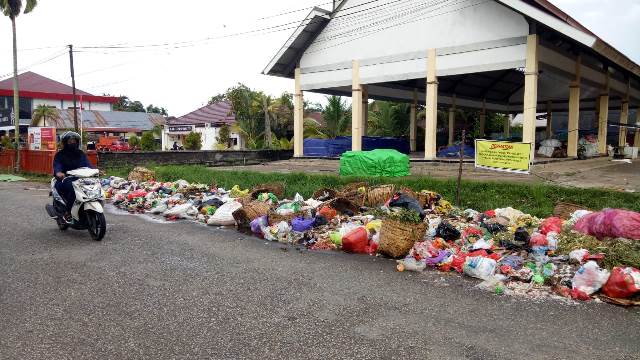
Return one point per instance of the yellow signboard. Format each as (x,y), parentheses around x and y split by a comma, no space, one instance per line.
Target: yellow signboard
(503,156)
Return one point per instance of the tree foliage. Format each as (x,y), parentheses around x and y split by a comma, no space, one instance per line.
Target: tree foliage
(193,141)
(126,104)
(224,136)
(156,110)
(148,141)
(134,141)
(337,117)
(389,119)
(43,112)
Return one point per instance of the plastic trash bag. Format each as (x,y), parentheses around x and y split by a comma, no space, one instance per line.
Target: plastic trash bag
(313,203)
(509,213)
(224,215)
(374,226)
(623,283)
(403,200)
(552,241)
(288,208)
(236,192)
(538,240)
(213,202)
(319,220)
(356,241)
(611,223)
(300,224)
(257,224)
(179,211)
(447,231)
(328,212)
(479,267)
(589,278)
(578,255)
(410,264)
(514,262)
(159,209)
(494,284)
(552,224)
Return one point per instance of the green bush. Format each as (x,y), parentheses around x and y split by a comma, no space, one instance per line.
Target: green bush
(134,141)
(148,142)
(224,136)
(193,141)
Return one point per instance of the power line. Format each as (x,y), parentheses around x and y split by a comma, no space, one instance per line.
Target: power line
(39,62)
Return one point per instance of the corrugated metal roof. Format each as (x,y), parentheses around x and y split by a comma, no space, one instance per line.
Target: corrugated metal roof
(218,113)
(109,119)
(30,81)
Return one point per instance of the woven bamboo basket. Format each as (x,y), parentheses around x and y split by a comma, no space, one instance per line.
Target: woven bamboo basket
(276,189)
(248,212)
(341,205)
(353,186)
(397,238)
(322,192)
(379,195)
(141,174)
(564,210)
(353,193)
(275,218)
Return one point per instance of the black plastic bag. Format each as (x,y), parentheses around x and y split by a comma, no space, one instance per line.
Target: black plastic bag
(214,202)
(493,226)
(520,240)
(319,221)
(447,231)
(403,200)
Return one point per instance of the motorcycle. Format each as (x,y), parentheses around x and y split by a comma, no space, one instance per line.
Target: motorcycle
(87,212)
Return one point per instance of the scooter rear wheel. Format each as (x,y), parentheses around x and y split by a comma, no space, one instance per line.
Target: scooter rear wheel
(97,225)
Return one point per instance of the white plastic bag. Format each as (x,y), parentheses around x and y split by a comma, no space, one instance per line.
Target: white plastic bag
(479,267)
(590,278)
(179,211)
(578,255)
(224,214)
(159,209)
(410,264)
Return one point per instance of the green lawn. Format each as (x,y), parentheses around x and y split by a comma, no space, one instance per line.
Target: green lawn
(536,199)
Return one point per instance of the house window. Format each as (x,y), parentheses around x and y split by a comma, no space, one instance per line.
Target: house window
(235,141)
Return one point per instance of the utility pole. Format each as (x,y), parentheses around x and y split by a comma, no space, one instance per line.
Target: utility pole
(73,85)
(267,122)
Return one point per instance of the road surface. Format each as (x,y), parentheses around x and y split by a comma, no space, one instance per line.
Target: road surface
(183,290)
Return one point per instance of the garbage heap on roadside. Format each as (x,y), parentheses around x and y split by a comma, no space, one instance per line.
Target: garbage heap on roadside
(578,254)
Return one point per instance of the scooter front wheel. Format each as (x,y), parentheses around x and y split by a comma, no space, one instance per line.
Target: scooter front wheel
(97,225)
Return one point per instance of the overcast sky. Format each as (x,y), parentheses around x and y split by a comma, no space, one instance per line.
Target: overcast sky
(182,78)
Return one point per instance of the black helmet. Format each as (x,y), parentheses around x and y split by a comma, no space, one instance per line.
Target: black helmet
(68,136)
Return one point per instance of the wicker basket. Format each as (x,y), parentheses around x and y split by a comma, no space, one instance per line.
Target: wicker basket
(276,189)
(248,212)
(397,238)
(342,205)
(379,195)
(141,174)
(352,192)
(353,186)
(329,193)
(564,210)
(275,218)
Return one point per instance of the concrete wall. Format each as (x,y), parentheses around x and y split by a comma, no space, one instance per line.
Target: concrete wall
(210,158)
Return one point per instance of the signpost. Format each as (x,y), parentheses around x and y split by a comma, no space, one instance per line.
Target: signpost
(42,138)
(180,129)
(505,156)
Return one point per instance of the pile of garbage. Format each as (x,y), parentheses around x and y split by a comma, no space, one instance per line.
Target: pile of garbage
(581,256)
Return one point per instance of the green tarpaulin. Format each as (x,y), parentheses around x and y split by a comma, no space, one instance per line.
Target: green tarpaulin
(11,178)
(379,162)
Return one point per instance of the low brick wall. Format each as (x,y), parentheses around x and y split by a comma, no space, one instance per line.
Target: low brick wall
(209,158)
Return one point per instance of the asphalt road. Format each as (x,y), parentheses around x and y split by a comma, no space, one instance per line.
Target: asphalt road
(182,290)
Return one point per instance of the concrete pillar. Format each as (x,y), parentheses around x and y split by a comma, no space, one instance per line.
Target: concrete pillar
(549,130)
(365,110)
(574,112)
(636,139)
(413,128)
(356,107)
(483,118)
(298,117)
(507,125)
(624,117)
(530,93)
(452,121)
(431,109)
(603,116)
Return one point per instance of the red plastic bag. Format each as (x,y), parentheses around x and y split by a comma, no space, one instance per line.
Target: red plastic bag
(458,261)
(538,239)
(356,241)
(552,224)
(623,283)
(611,223)
(328,212)
(136,194)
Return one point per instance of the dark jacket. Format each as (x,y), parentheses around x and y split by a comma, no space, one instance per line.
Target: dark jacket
(67,160)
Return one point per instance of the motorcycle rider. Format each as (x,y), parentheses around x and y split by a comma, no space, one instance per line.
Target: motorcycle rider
(67,159)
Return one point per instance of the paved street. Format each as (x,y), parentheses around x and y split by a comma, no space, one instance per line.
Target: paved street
(182,290)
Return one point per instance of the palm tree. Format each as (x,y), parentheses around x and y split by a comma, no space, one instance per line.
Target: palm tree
(388,119)
(337,116)
(42,112)
(12,9)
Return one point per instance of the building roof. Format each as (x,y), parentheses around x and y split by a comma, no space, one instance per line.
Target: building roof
(96,120)
(36,86)
(219,113)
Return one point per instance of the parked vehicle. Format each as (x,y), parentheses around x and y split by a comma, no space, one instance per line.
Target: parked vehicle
(111,143)
(87,212)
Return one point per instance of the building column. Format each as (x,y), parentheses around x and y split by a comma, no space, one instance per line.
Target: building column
(624,117)
(549,129)
(431,109)
(603,117)
(452,120)
(413,129)
(298,117)
(574,112)
(507,125)
(356,107)
(530,102)
(365,110)
(636,139)
(483,118)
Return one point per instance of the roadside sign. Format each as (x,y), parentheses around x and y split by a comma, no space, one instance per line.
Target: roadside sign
(514,157)
(180,129)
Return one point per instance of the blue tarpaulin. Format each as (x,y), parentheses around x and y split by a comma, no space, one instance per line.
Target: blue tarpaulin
(454,152)
(341,144)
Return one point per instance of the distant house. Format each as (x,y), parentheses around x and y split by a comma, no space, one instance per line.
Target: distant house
(36,90)
(206,120)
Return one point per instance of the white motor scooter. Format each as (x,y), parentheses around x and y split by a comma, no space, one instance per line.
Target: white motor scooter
(87,212)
